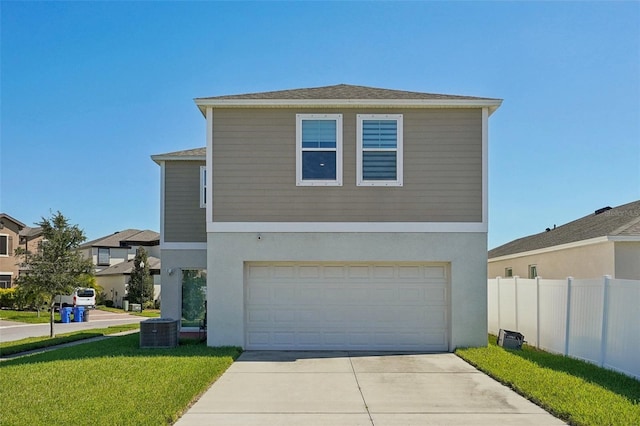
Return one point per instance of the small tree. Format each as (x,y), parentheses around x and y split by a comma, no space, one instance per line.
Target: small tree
(140,284)
(58,266)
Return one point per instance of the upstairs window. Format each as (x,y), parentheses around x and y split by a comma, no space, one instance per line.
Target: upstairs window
(379,150)
(104,256)
(4,245)
(319,149)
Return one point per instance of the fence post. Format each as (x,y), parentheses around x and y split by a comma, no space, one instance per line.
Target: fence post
(515,302)
(605,319)
(498,302)
(538,312)
(568,323)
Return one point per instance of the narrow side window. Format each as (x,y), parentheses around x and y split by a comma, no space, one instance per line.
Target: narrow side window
(203,186)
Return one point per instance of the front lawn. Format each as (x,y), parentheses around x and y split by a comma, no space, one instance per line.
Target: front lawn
(112,381)
(574,391)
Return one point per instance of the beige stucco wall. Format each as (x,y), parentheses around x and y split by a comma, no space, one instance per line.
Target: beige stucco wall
(627,260)
(589,261)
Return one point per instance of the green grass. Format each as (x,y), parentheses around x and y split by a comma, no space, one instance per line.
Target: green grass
(112,381)
(574,391)
(150,313)
(30,317)
(31,343)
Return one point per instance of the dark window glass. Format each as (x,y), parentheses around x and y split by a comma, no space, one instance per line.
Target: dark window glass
(319,165)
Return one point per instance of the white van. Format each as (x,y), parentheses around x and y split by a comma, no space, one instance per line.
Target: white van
(80,297)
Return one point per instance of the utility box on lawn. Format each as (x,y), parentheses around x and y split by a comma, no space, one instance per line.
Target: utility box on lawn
(510,339)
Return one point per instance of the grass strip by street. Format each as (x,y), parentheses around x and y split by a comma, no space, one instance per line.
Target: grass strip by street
(575,391)
(29,317)
(149,313)
(31,343)
(111,381)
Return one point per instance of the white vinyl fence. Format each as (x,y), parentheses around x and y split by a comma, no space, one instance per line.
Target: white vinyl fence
(596,320)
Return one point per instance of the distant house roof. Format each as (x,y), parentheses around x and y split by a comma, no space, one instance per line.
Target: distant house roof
(31,232)
(127,237)
(621,221)
(346,94)
(195,154)
(4,216)
(125,268)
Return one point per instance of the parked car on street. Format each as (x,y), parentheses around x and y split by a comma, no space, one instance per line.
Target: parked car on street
(79,297)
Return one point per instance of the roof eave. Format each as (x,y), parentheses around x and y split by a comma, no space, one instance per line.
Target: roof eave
(492,104)
(160,158)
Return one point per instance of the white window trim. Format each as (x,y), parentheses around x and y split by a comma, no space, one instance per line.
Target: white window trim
(338,150)
(399,150)
(532,268)
(203,187)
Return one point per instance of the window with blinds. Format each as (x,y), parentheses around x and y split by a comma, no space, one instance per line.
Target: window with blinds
(379,153)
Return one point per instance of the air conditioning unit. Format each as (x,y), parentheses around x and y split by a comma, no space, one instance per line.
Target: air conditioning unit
(159,333)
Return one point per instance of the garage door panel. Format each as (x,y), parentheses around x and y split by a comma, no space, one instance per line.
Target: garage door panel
(331,306)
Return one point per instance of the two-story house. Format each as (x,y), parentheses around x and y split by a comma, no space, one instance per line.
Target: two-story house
(113,255)
(14,234)
(339,217)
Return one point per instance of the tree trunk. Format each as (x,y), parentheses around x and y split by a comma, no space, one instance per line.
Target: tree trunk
(51,320)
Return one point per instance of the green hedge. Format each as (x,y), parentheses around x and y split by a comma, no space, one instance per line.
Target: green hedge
(8,297)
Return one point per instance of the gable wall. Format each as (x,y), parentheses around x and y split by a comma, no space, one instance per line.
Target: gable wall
(184,219)
(254,170)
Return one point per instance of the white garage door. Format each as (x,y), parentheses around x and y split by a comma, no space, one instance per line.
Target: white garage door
(346,306)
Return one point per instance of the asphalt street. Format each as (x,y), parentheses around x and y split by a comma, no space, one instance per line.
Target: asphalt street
(10,331)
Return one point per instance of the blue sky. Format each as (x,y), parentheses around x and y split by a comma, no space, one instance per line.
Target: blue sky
(89,90)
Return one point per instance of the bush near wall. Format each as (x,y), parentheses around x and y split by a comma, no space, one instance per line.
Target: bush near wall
(7,297)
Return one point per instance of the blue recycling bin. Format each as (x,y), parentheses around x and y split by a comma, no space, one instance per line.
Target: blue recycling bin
(78,313)
(65,315)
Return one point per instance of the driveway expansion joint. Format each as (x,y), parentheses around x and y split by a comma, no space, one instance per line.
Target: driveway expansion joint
(355,375)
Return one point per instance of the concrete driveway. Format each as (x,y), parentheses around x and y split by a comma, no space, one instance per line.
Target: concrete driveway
(346,388)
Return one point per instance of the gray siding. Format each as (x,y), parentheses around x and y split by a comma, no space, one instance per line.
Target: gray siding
(183,217)
(254,170)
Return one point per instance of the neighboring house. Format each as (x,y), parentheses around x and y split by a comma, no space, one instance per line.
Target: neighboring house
(113,256)
(606,242)
(339,217)
(14,234)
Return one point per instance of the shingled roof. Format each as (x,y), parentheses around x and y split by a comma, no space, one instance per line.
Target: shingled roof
(346,94)
(126,237)
(621,221)
(344,91)
(127,266)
